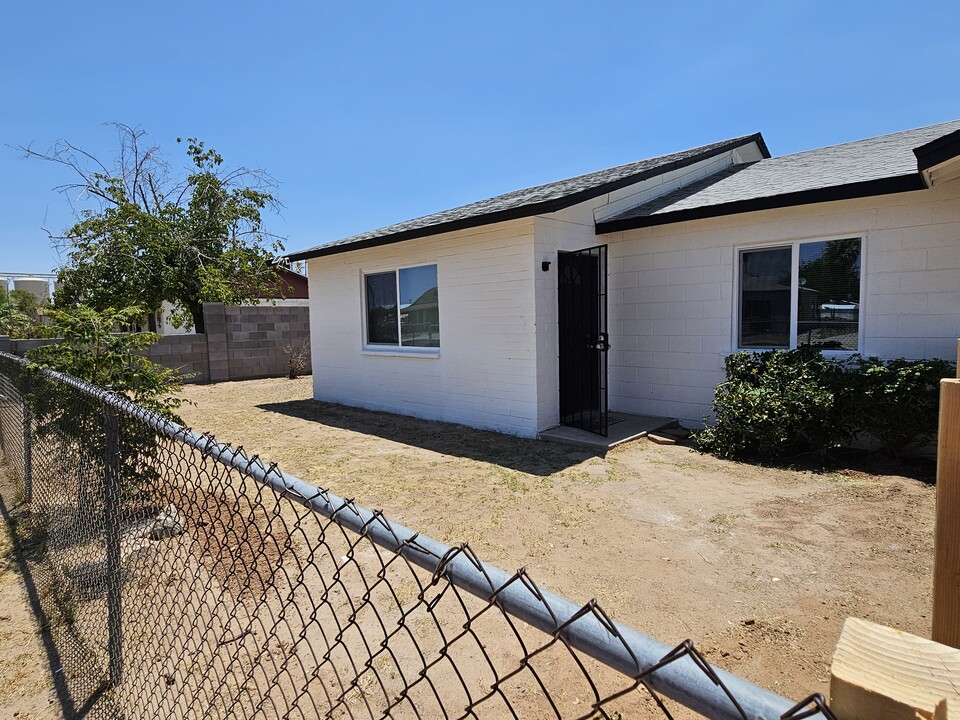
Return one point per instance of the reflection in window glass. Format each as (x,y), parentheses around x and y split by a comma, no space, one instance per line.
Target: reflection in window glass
(402,307)
(382,308)
(419,308)
(765,289)
(828,294)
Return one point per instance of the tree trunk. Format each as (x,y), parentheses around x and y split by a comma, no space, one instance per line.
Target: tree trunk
(196,311)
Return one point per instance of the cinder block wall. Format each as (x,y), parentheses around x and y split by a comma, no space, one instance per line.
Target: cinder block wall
(241,343)
(484,374)
(256,337)
(186,353)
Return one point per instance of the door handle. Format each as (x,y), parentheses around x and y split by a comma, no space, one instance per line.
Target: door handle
(602,344)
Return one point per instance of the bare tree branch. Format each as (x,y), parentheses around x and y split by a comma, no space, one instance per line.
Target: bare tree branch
(145,234)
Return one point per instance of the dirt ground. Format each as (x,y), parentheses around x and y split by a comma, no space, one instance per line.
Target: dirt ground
(26,687)
(759,566)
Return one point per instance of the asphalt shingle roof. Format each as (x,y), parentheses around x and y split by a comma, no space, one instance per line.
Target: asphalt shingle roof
(865,167)
(529,201)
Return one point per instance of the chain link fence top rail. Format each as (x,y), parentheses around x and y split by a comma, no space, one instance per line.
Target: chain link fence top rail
(188,579)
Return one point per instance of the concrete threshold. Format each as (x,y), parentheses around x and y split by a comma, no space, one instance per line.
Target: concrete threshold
(621,428)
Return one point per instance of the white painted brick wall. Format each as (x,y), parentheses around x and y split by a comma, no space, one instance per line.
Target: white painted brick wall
(574,229)
(671,306)
(498,318)
(485,375)
(680,279)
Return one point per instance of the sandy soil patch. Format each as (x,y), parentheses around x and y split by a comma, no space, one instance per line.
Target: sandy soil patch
(26,687)
(758,566)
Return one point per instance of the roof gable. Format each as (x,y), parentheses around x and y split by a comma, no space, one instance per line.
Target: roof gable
(939,160)
(874,166)
(530,201)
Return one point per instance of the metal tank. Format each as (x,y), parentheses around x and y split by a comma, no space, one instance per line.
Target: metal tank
(38,287)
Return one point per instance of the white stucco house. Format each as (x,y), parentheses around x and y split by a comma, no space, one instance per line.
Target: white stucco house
(624,289)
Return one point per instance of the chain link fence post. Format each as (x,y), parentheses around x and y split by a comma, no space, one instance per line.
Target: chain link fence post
(27,440)
(111,520)
(3,437)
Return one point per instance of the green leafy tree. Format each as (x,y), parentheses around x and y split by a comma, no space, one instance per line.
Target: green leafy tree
(19,313)
(90,349)
(150,237)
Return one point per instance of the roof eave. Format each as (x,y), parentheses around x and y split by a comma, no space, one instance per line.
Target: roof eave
(762,144)
(849,191)
(438,229)
(938,151)
(939,160)
(531,210)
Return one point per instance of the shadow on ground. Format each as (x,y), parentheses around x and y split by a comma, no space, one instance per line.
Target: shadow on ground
(920,468)
(854,461)
(535,457)
(79,684)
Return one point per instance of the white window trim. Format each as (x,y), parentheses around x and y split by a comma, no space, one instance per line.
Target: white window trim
(398,350)
(794,245)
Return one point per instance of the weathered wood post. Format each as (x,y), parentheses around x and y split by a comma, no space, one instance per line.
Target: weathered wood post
(111,521)
(946,567)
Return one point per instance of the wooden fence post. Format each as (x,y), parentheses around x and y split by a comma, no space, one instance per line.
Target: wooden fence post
(946,564)
(879,673)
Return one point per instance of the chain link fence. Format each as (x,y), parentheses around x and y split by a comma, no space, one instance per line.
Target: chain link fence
(184,578)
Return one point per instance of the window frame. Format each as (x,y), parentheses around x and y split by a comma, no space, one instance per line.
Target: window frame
(794,246)
(386,349)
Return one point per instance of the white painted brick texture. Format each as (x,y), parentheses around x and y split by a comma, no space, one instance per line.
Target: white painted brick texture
(485,375)
(670,303)
(680,278)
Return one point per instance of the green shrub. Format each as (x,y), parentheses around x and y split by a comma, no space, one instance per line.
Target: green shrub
(895,402)
(773,404)
(89,348)
(781,403)
(19,313)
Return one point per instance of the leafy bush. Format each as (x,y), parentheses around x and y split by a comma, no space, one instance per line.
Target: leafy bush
(895,402)
(19,314)
(774,403)
(91,349)
(784,402)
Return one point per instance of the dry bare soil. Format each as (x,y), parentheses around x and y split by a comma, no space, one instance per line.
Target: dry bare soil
(759,566)
(26,687)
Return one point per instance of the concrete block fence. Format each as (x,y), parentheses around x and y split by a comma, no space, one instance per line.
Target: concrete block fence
(241,343)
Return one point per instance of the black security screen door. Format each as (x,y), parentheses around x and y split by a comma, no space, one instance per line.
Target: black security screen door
(583,338)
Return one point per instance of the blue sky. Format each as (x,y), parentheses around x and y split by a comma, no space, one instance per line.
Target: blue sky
(376,112)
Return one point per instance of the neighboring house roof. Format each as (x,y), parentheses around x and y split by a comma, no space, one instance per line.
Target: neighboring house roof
(290,285)
(429,300)
(531,201)
(876,166)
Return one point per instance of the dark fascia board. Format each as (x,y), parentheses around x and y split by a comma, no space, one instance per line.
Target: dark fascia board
(938,151)
(540,208)
(867,188)
(761,143)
